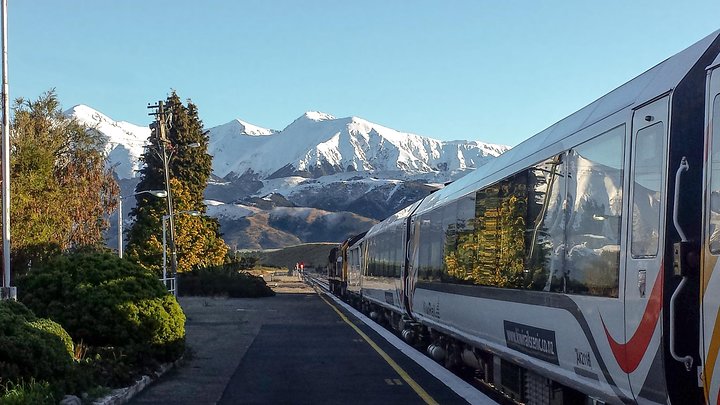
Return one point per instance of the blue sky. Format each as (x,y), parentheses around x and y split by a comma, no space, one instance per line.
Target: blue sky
(495,71)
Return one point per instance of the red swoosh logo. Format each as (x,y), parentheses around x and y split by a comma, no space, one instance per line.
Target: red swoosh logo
(628,355)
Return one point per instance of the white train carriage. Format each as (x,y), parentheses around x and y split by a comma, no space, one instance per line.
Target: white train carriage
(579,266)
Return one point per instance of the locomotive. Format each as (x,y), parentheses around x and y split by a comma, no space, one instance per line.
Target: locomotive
(581,266)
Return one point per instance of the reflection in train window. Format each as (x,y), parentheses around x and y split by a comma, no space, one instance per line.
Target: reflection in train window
(647,177)
(594,201)
(552,227)
(714,211)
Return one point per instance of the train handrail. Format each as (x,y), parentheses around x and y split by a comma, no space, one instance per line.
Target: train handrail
(686,360)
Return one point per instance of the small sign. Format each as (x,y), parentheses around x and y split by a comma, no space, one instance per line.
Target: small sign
(389,298)
(535,342)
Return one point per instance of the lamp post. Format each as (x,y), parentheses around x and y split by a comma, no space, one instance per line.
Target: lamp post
(7,291)
(156,193)
(165,278)
(164,151)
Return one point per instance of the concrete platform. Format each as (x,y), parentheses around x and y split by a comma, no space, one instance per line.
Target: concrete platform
(289,349)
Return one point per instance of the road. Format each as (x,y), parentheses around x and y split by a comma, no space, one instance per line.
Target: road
(294,348)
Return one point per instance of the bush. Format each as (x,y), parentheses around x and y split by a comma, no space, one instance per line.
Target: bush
(107,301)
(222,281)
(31,347)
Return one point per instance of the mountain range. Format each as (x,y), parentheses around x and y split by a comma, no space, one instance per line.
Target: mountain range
(321,178)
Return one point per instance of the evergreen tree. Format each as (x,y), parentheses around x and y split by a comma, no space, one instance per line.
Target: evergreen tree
(198,242)
(60,189)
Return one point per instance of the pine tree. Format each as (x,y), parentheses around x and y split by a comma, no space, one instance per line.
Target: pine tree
(61,190)
(198,242)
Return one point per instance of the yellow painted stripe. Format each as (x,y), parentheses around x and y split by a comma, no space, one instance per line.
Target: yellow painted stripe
(712,354)
(404,375)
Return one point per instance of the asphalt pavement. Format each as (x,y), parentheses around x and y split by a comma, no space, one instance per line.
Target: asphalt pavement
(294,348)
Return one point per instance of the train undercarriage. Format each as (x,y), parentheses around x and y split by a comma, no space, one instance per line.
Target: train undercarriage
(502,380)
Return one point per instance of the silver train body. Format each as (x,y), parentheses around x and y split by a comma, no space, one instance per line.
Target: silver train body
(578,267)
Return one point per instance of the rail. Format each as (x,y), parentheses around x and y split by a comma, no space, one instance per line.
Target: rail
(169,283)
(317,280)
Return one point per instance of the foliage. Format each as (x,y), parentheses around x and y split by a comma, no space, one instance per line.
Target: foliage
(198,242)
(61,188)
(223,280)
(31,347)
(242,261)
(34,392)
(107,301)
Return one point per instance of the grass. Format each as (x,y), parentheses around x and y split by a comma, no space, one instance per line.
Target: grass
(33,392)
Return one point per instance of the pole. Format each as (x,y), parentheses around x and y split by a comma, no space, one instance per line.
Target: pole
(164,266)
(9,291)
(163,141)
(120,228)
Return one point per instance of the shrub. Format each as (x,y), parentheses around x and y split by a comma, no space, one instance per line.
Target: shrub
(223,281)
(31,347)
(107,301)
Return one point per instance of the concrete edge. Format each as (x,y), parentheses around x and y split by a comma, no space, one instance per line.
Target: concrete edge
(124,395)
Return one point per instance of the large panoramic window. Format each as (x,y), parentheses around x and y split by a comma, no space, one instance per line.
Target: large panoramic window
(553,227)
(594,199)
(545,240)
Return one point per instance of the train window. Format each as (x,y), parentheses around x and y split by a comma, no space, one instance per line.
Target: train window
(498,234)
(545,234)
(647,177)
(553,227)
(449,227)
(714,213)
(437,237)
(396,246)
(460,249)
(424,266)
(594,203)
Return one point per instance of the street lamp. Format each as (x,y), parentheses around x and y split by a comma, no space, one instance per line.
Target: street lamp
(164,150)
(156,193)
(165,278)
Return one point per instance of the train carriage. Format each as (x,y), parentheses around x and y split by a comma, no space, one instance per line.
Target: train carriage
(710,276)
(580,266)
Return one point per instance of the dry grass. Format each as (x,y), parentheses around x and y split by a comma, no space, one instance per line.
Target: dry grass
(281,281)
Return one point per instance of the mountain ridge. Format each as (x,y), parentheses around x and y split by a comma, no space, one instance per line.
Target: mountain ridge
(348,171)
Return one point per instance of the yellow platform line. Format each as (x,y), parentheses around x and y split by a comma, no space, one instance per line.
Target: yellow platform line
(404,375)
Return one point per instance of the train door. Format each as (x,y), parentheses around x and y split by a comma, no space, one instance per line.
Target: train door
(643,349)
(710,274)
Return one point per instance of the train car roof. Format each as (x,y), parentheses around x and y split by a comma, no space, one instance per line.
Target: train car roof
(391,220)
(660,79)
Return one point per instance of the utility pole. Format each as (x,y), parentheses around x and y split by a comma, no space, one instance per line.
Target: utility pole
(8,292)
(162,142)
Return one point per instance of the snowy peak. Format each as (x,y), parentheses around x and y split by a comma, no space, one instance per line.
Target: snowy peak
(314,145)
(317,116)
(125,141)
(317,144)
(244,128)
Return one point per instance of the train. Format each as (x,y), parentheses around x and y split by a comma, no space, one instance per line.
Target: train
(579,267)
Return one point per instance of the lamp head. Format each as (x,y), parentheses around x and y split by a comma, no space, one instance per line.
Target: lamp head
(156,193)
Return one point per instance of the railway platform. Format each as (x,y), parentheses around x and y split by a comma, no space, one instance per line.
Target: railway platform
(294,348)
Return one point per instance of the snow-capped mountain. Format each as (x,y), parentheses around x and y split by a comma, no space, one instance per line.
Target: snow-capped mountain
(264,179)
(318,144)
(313,145)
(125,141)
